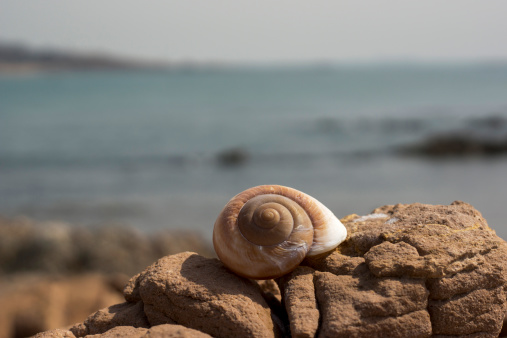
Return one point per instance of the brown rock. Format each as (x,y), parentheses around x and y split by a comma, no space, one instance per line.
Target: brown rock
(480,311)
(120,332)
(299,299)
(56,333)
(404,271)
(270,289)
(180,288)
(159,331)
(174,331)
(124,314)
(368,306)
(338,264)
(414,270)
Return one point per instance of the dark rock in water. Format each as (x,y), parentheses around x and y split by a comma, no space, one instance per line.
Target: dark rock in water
(404,271)
(392,125)
(493,122)
(232,157)
(458,144)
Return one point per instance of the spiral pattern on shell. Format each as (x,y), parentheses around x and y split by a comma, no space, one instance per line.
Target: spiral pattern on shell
(266,231)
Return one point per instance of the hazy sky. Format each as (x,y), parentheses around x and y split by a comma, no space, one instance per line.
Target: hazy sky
(261,30)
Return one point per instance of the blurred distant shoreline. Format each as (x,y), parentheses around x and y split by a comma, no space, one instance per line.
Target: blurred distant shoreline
(20,59)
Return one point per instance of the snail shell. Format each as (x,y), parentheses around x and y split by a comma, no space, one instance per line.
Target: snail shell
(266,231)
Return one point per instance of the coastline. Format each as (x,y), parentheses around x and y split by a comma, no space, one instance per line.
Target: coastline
(21,60)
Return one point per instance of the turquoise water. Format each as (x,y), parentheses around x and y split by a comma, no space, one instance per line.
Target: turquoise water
(168,149)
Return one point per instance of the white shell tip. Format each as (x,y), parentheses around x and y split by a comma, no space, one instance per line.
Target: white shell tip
(329,237)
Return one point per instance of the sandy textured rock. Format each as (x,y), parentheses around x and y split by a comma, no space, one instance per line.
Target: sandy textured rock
(414,270)
(299,298)
(366,306)
(200,293)
(174,331)
(56,333)
(404,271)
(124,314)
(270,289)
(121,331)
(159,331)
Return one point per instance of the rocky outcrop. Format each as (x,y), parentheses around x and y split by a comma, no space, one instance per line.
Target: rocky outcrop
(60,248)
(458,145)
(404,271)
(414,270)
(53,274)
(201,294)
(190,290)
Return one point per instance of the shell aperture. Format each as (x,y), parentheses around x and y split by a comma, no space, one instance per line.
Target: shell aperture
(266,231)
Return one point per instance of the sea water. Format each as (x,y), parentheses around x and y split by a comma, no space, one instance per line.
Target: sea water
(168,148)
